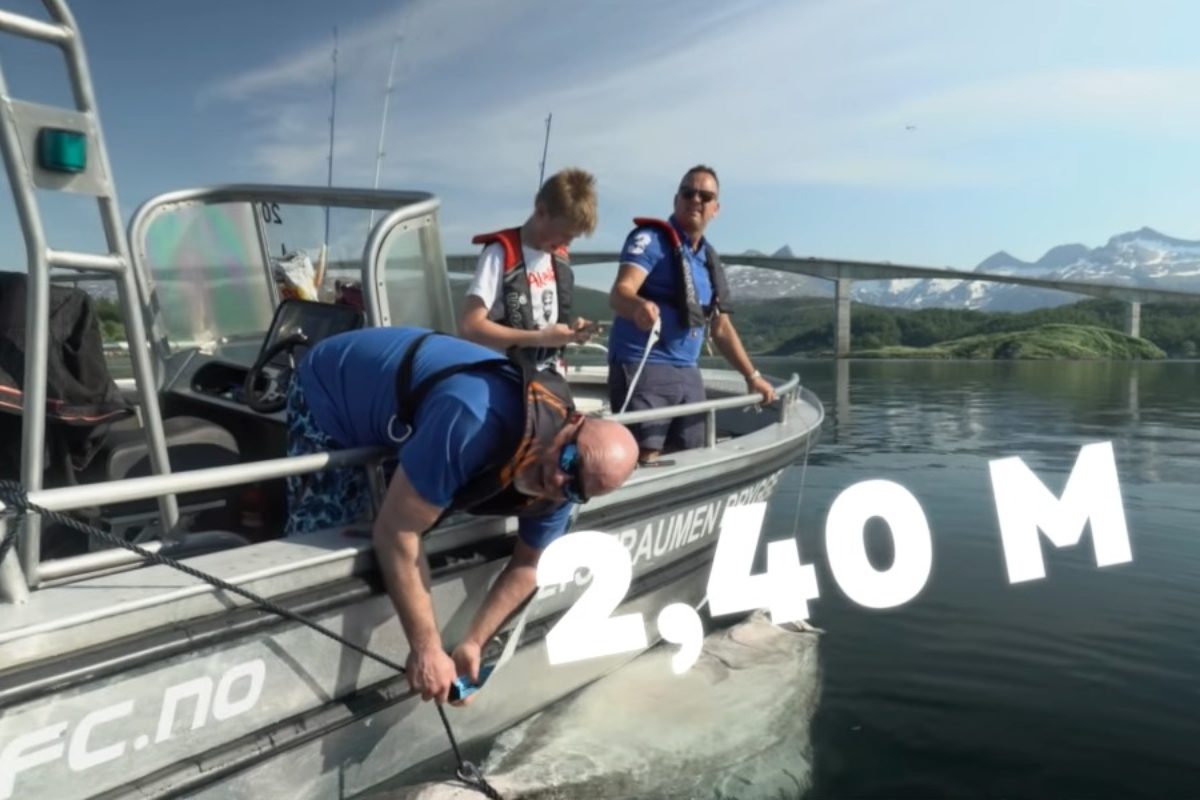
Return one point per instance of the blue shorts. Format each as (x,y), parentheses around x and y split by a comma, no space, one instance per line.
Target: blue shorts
(327,499)
(660,386)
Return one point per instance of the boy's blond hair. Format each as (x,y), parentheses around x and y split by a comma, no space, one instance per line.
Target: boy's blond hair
(570,195)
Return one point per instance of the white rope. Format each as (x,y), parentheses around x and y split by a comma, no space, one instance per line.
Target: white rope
(650,341)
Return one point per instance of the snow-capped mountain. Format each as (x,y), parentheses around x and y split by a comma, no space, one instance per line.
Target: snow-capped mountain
(753,283)
(1139,258)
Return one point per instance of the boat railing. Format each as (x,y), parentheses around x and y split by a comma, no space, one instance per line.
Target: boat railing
(80,164)
(788,393)
(13,587)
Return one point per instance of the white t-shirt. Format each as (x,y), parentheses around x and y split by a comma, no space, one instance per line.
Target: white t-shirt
(488,286)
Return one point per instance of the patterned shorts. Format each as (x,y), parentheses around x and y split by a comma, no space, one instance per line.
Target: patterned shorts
(327,499)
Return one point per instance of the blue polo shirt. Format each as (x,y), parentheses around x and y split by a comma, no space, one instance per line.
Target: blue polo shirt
(466,422)
(650,249)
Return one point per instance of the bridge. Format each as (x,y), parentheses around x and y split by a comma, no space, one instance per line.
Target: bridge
(843,274)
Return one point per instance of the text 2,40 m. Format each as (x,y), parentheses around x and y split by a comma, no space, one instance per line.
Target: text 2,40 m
(1023,506)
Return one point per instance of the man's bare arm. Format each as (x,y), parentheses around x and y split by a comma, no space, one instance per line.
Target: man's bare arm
(403,518)
(624,298)
(515,583)
(730,344)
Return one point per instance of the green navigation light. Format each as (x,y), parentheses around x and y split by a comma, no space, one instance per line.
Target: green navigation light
(61,150)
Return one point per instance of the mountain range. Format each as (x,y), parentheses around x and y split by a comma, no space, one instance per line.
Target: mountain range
(753,283)
(1143,258)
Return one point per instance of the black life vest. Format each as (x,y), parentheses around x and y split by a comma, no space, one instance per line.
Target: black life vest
(516,303)
(686,300)
(549,407)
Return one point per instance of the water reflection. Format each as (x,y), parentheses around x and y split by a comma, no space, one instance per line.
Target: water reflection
(1042,411)
(842,404)
(1081,684)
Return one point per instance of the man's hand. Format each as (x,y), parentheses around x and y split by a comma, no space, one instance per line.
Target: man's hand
(466,662)
(762,386)
(430,672)
(645,315)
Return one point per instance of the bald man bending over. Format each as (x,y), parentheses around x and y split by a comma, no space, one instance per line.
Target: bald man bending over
(476,432)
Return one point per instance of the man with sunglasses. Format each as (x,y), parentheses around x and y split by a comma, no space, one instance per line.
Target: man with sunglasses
(475,432)
(670,273)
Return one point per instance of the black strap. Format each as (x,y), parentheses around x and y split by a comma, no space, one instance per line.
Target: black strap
(686,288)
(404,378)
(408,398)
(716,273)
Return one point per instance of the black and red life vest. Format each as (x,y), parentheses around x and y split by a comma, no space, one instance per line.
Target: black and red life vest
(686,299)
(516,300)
(549,408)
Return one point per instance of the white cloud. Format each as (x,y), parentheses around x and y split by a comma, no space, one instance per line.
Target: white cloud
(776,93)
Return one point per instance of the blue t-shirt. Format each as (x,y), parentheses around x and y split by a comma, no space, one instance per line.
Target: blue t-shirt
(465,423)
(650,249)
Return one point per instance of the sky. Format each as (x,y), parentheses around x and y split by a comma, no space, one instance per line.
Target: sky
(926,132)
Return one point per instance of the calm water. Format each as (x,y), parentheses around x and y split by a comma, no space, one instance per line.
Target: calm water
(1083,685)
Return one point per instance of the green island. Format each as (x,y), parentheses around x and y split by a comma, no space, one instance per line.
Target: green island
(1089,329)
(1043,342)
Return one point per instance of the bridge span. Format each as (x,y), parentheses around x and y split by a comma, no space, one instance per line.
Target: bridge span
(843,274)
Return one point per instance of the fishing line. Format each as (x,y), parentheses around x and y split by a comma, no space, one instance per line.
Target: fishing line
(655,330)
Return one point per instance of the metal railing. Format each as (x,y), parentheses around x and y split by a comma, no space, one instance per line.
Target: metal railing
(70,498)
(130,489)
(18,121)
(786,393)
(373,284)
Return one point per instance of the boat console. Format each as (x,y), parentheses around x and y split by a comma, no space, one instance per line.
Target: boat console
(262,387)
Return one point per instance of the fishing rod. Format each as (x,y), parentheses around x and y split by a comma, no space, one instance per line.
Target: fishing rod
(332,118)
(545,148)
(387,93)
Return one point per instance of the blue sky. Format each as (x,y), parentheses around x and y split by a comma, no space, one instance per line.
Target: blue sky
(1032,123)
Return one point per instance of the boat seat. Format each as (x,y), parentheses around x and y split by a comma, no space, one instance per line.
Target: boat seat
(192,443)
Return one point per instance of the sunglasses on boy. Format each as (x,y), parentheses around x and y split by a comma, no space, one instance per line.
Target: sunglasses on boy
(688,193)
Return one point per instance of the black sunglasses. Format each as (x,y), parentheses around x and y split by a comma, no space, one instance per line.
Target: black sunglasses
(688,193)
(568,462)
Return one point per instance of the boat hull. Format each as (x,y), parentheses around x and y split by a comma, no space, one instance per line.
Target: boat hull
(242,702)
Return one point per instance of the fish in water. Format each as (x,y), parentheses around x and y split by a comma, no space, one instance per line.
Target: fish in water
(736,725)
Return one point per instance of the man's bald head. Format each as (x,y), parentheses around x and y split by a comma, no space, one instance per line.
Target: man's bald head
(608,453)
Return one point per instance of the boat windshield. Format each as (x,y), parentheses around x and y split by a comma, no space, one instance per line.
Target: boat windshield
(209,274)
(217,270)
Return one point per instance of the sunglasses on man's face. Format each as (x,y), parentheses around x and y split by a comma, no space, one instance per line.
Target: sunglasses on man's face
(688,193)
(569,463)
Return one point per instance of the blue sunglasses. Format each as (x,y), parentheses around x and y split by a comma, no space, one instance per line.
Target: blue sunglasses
(568,462)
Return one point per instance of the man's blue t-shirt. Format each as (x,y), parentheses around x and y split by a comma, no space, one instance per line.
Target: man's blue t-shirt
(650,249)
(465,423)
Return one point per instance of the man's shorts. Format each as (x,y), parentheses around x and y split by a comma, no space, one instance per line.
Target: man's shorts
(660,386)
(326,499)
